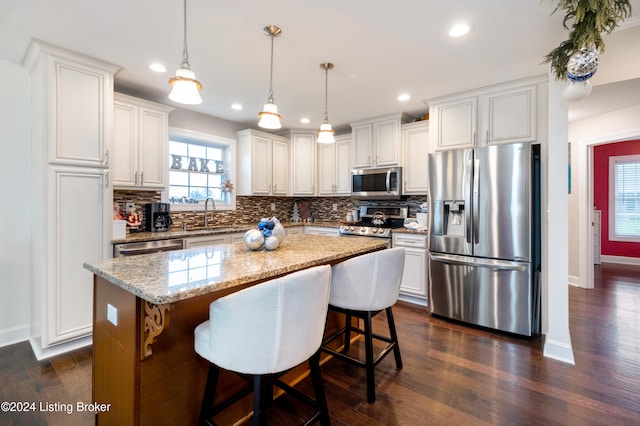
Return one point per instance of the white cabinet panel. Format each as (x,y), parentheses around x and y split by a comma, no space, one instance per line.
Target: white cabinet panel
(263,164)
(206,240)
(78,232)
(334,167)
(414,276)
(415,145)
(322,230)
(511,116)
(303,163)
(456,123)
(376,142)
(141,139)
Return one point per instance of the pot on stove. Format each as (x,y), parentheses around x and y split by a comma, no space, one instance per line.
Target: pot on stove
(379,219)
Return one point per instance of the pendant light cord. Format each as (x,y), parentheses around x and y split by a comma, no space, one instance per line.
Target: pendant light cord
(326,94)
(270,100)
(185,53)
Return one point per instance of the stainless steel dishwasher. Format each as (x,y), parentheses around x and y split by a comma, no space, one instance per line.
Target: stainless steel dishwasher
(132,249)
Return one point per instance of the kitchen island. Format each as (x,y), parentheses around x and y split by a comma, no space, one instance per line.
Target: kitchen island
(146,308)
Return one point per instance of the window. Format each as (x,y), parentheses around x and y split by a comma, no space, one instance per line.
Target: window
(624,198)
(200,167)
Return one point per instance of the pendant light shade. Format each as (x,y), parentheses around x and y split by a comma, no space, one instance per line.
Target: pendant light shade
(269,117)
(325,134)
(185,86)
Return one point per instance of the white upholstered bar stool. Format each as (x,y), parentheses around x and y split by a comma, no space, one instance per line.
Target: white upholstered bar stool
(362,287)
(263,331)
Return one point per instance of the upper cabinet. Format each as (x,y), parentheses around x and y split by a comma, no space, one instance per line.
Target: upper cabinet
(334,167)
(303,162)
(376,142)
(498,114)
(141,139)
(263,163)
(415,148)
(76,124)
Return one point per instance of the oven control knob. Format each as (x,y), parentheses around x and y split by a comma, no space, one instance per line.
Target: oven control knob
(363,229)
(351,228)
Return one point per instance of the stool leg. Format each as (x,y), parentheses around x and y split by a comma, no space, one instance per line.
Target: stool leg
(394,338)
(259,403)
(368,344)
(347,334)
(318,388)
(209,392)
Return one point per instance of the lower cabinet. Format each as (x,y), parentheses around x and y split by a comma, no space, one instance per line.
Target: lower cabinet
(413,287)
(322,230)
(295,230)
(209,240)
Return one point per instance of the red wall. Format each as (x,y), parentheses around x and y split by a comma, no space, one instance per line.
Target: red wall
(601,154)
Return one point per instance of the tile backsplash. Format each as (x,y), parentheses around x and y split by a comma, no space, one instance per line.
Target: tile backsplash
(252,209)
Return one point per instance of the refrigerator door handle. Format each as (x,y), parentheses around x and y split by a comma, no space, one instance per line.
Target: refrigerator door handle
(495,264)
(467,184)
(475,211)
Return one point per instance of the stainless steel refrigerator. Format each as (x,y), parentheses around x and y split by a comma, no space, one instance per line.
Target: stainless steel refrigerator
(484,242)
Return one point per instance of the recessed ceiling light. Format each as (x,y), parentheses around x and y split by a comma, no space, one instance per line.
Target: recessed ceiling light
(157,67)
(237,107)
(459,30)
(305,120)
(404,97)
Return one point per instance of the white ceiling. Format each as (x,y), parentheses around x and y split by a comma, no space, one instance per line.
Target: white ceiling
(379,48)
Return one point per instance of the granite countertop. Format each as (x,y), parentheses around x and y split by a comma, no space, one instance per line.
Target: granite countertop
(182,274)
(135,237)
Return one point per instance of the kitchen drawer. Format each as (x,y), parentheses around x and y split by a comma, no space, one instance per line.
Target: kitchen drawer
(409,240)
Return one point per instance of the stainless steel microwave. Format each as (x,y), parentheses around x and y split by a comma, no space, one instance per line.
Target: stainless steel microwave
(377,184)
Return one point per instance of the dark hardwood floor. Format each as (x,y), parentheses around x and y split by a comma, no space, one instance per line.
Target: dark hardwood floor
(453,374)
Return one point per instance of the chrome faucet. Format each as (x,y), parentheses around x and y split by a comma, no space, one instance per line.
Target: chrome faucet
(206,203)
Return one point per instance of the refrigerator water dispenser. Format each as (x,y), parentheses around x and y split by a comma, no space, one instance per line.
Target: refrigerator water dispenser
(453,218)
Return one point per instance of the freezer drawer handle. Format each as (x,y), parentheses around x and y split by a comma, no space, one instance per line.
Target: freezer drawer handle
(511,266)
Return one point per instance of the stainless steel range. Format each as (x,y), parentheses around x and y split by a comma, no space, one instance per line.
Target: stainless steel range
(376,221)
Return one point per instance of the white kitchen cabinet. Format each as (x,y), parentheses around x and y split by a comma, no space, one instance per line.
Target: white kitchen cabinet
(415,148)
(322,230)
(505,113)
(303,163)
(294,230)
(334,167)
(72,100)
(208,240)
(263,164)
(376,142)
(413,286)
(141,139)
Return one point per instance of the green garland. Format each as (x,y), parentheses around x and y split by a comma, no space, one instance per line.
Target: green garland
(590,19)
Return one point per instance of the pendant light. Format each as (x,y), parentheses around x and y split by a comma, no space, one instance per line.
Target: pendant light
(269,117)
(185,86)
(325,134)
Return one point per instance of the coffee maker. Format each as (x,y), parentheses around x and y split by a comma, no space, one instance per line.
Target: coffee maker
(157,217)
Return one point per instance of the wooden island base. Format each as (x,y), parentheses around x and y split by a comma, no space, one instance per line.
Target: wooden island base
(161,383)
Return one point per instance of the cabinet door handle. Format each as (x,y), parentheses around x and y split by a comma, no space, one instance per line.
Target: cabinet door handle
(141,178)
(106,179)
(105,158)
(486,136)
(135,179)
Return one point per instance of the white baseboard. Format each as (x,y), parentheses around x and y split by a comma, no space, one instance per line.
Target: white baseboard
(621,259)
(574,280)
(560,351)
(44,353)
(412,299)
(9,336)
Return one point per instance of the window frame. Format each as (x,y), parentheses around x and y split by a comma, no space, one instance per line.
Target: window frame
(185,135)
(613,160)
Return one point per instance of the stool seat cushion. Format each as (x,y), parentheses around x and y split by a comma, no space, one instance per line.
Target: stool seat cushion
(369,282)
(269,327)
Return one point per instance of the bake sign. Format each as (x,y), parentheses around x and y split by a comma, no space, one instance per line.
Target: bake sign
(193,164)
